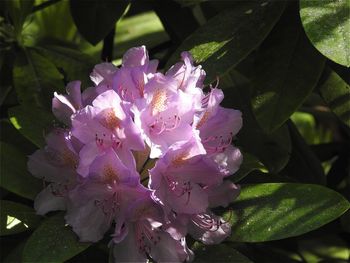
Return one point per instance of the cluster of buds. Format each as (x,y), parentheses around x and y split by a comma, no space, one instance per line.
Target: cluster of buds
(143,152)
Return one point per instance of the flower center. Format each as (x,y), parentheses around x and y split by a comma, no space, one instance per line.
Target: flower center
(110,174)
(158,102)
(111,120)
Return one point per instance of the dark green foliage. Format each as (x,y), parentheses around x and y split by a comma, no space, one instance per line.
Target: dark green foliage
(284,64)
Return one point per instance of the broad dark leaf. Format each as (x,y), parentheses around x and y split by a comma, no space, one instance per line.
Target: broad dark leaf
(274,211)
(16,218)
(18,11)
(327,25)
(75,64)
(230,36)
(286,69)
(51,28)
(96,18)
(36,78)
(32,123)
(14,175)
(326,248)
(271,149)
(249,164)
(15,254)
(52,242)
(336,93)
(303,165)
(10,134)
(217,253)
(169,12)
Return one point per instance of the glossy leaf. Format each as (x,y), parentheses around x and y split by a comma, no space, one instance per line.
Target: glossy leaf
(75,64)
(274,149)
(229,37)
(33,123)
(14,175)
(35,78)
(16,218)
(96,18)
(217,253)
(274,211)
(336,93)
(52,242)
(327,24)
(286,69)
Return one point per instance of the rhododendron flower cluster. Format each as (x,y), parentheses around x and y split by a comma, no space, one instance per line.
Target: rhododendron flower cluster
(142,154)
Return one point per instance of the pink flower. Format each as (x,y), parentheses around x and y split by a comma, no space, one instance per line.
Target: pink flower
(164,115)
(143,235)
(130,80)
(55,164)
(104,125)
(131,118)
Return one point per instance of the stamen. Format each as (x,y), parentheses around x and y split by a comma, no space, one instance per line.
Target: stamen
(203,119)
(109,206)
(158,102)
(110,174)
(180,159)
(111,120)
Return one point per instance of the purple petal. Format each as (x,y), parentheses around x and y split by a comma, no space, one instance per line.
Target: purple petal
(46,202)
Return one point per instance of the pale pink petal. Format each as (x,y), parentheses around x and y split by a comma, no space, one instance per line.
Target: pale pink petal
(223,195)
(46,202)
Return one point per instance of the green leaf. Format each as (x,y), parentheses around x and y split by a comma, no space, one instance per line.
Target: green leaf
(141,29)
(18,11)
(16,218)
(49,27)
(329,248)
(52,242)
(336,93)
(274,149)
(303,165)
(169,13)
(273,211)
(96,18)
(327,24)
(32,123)
(286,69)
(229,37)
(345,222)
(217,253)
(249,164)
(12,136)
(15,254)
(36,78)
(75,64)
(14,175)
